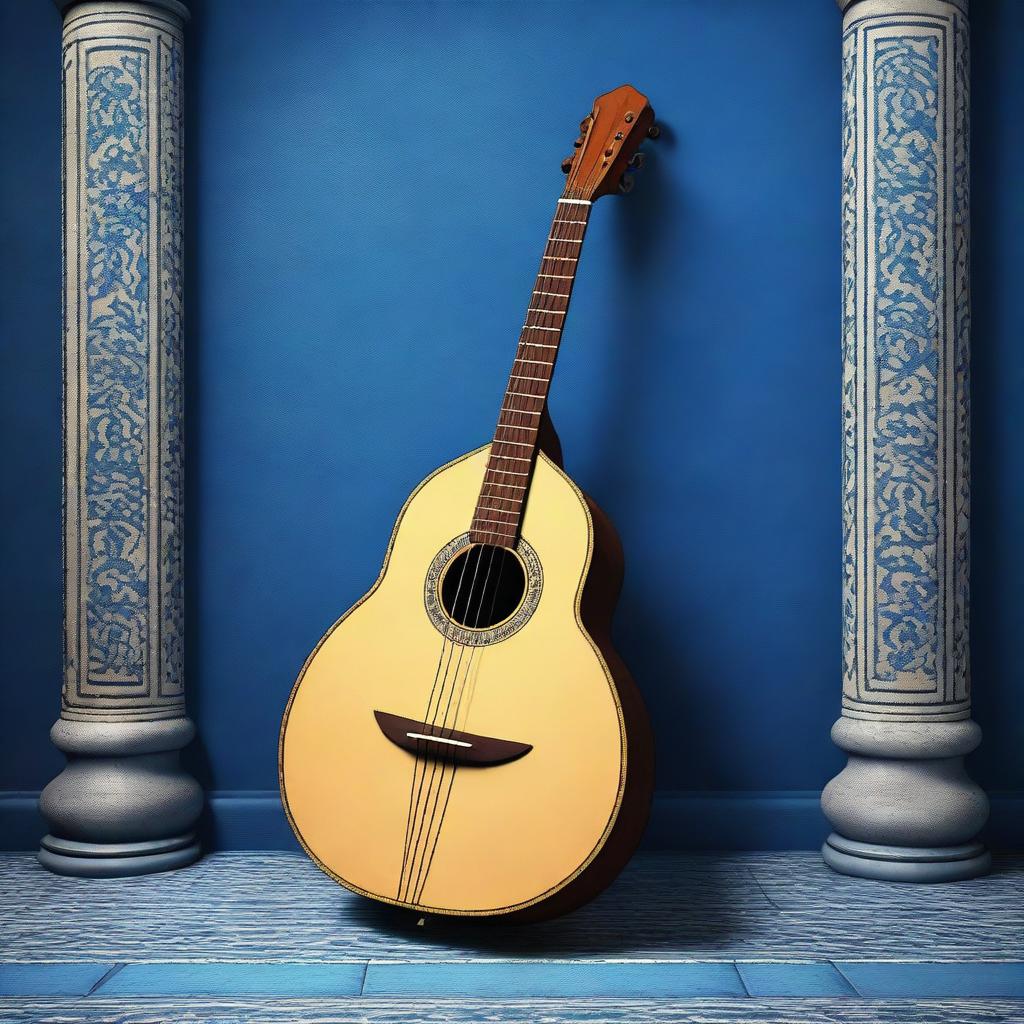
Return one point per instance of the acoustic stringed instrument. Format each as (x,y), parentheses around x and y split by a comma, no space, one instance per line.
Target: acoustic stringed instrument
(465,739)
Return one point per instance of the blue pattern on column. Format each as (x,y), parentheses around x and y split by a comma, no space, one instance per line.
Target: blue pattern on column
(117,374)
(906,327)
(906,431)
(124,598)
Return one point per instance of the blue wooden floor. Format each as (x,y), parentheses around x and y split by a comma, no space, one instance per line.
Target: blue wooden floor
(735,937)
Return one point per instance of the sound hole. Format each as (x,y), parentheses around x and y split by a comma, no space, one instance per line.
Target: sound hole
(482,586)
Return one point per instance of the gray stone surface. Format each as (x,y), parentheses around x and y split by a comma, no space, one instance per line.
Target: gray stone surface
(906,864)
(111,860)
(908,802)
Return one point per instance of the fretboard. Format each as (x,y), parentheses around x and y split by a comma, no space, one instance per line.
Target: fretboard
(499,510)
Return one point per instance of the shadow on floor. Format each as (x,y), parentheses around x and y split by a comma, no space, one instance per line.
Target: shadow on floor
(653,906)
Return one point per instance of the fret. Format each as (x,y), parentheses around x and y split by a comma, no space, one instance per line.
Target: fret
(539,362)
(537,327)
(510,472)
(484,535)
(559,277)
(530,432)
(513,458)
(520,376)
(575,202)
(510,526)
(502,511)
(512,523)
(499,522)
(556,295)
(575,241)
(522,412)
(536,344)
(561,259)
(512,487)
(524,394)
(554,312)
(529,441)
(526,428)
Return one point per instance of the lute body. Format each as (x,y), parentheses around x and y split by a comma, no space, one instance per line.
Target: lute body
(529,837)
(465,740)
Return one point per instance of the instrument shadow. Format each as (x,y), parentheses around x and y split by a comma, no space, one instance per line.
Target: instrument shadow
(661,903)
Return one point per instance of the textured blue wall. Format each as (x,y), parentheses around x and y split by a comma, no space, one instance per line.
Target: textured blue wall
(369,189)
(30,398)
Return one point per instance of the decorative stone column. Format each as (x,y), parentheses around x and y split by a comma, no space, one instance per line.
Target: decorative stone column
(123,805)
(904,808)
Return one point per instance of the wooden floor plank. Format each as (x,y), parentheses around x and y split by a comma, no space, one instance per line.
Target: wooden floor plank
(798,980)
(51,979)
(937,981)
(278,907)
(508,979)
(561,980)
(251,979)
(137,1010)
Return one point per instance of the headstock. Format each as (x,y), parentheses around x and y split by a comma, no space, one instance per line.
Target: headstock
(609,144)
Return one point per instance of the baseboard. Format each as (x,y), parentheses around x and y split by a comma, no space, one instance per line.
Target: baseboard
(254,820)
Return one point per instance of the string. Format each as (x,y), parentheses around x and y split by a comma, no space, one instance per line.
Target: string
(419,743)
(543,307)
(426,862)
(455,722)
(445,728)
(432,717)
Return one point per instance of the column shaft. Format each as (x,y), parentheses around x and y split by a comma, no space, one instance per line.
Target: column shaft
(904,807)
(123,804)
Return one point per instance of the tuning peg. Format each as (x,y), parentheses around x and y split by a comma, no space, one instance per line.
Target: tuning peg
(626,185)
(637,161)
(654,131)
(567,165)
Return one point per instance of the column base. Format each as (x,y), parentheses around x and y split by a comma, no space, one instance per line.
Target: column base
(116,860)
(904,808)
(123,805)
(905,863)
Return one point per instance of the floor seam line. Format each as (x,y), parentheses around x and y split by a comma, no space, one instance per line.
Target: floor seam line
(106,977)
(761,889)
(743,981)
(362,980)
(843,975)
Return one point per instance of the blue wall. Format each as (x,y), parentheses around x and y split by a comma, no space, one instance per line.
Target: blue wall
(369,188)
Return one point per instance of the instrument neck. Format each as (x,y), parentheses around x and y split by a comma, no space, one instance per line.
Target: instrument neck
(498,515)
